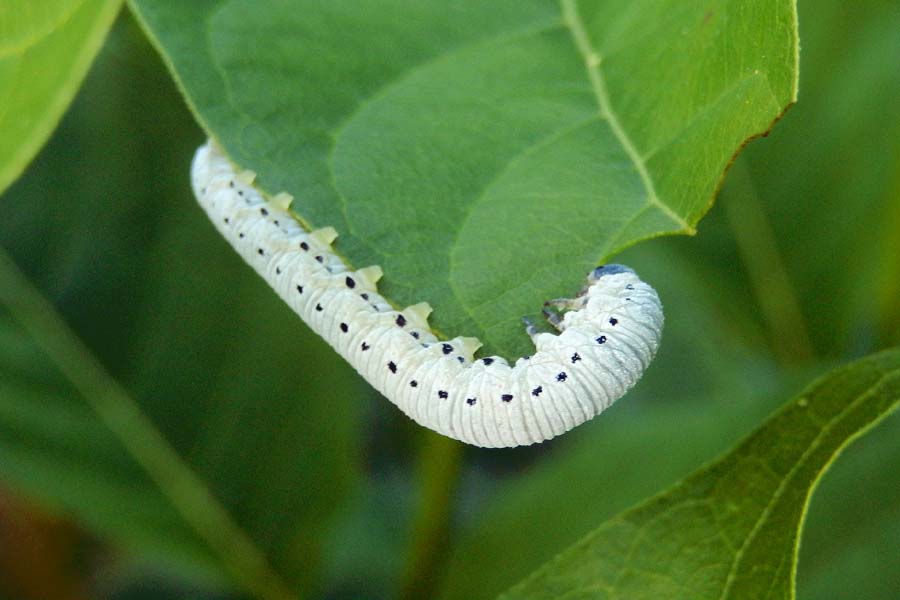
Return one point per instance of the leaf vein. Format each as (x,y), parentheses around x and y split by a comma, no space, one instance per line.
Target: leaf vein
(36,37)
(593,60)
(779,491)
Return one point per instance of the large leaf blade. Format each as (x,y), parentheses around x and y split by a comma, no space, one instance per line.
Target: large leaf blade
(731,529)
(487,155)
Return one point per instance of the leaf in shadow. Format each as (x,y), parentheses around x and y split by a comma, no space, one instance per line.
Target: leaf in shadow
(731,529)
(247,398)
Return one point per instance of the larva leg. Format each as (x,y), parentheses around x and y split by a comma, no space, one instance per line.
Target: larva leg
(568,303)
(530,327)
(553,318)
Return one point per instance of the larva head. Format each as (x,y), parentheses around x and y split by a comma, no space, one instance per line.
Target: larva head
(612,279)
(604,270)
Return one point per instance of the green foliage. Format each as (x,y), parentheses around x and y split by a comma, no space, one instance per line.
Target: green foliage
(827,183)
(45,50)
(61,399)
(731,529)
(486,156)
(278,453)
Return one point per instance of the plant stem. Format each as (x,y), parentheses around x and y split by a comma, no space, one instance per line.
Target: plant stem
(139,436)
(438,471)
(888,258)
(771,284)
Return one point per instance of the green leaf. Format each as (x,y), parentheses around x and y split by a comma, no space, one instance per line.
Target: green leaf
(485,154)
(48,456)
(670,423)
(851,536)
(844,180)
(669,426)
(252,403)
(45,50)
(730,530)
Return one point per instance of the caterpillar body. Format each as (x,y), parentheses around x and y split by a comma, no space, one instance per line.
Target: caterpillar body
(608,334)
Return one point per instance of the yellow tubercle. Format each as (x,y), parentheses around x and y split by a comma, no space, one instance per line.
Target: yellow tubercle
(324,236)
(371,274)
(282,200)
(246,177)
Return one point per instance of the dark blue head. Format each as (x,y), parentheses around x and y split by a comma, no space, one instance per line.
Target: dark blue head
(612,269)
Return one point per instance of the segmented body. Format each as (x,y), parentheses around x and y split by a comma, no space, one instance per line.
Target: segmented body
(607,338)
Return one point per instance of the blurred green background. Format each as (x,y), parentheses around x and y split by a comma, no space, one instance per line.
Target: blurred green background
(796,269)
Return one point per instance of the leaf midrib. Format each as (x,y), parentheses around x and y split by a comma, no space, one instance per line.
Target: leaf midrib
(571,20)
(593,61)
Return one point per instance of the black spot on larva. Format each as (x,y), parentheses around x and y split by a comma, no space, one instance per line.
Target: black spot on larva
(364,296)
(241,235)
(344,327)
(276,222)
(304,246)
(300,289)
(392,367)
(365,346)
(442,394)
(203,190)
(446,348)
(601,339)
(350,283)
(613,320)
(537,391)
(627,299)
(415,334)
(264,212)
(261,251)
(575,358)
(506,397)
(487,361)
(629,287)
(471,401)
(319,307)
(278,270)
(413,383)
(401,320)
(227,220)
(320,258)
(231,184)
(562,376)
(460,359)
(526,357)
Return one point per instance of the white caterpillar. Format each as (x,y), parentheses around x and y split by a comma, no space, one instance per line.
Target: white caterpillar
(608,336)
